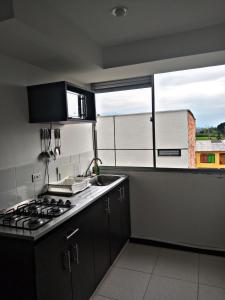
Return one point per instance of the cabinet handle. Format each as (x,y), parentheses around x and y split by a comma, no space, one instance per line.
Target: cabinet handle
(123,193)
(67,261)
(72,234)
(121,196)
(74,255)
(108,206)
(75,252)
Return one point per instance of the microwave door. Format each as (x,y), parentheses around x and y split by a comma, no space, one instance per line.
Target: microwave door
(73,105)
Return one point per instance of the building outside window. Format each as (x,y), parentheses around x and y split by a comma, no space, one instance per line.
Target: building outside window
(210,154)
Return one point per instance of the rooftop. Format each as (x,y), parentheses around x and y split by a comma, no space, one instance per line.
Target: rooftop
(147,113)
(209,145)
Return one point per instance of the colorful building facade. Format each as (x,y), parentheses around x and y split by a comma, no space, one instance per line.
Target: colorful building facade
(210,154)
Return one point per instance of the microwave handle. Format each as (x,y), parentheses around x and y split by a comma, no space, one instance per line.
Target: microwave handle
(85,104)
(83,108)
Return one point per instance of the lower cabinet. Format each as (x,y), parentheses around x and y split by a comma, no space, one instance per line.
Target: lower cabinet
(101,238)
(69,262)
(53,270)
(119,218)
(65,262)
(82,257)
(125,212)
(114,204)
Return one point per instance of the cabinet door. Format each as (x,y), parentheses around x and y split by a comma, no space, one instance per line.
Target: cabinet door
(53,267)
(125,212)
(82,255)
(115,222)
(100,219)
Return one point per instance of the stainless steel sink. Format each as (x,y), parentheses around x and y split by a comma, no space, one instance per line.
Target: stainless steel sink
(103,180)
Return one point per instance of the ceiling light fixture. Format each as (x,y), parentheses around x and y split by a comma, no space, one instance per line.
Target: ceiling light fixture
(119,11)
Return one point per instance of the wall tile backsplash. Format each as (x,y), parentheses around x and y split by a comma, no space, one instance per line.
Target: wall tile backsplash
(16,183)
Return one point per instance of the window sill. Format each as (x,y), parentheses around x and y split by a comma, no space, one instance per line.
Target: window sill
(152,169)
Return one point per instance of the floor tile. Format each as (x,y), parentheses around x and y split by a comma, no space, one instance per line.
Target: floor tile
(211,293)
(177,264)
(138,257)
(212,270)
(161,288)
(124,284)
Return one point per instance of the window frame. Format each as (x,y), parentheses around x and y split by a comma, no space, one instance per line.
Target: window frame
(135,83)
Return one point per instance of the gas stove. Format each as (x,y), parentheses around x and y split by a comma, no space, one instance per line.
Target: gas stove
(35,213)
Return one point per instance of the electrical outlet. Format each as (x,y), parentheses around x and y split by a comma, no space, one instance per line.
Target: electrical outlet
(36,177)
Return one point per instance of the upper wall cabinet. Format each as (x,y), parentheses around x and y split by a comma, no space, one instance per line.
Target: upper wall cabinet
(60,102)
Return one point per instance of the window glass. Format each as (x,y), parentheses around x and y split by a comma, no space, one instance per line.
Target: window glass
(124,129)
(133,131)
(189,116)
(135,158)
(105,132)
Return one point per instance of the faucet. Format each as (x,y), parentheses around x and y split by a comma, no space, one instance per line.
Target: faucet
(95,158)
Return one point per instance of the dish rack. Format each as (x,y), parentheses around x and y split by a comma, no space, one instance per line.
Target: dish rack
(69,185)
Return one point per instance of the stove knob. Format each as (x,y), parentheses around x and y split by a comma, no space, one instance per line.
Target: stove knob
(53,201)
(60,202)
(68,203)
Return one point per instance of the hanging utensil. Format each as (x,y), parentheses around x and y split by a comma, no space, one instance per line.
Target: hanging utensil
(57,149)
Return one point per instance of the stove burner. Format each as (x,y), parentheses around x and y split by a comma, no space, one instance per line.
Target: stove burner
(33,208)
(56,210)
(34,222)
(11,218)
(35,213)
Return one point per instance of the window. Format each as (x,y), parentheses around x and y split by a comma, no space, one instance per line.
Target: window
(124,129)
(189,115)
(222,158)
(187,119)
(207,158)
(169,152)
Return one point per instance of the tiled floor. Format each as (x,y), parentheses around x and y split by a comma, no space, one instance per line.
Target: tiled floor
(151,273)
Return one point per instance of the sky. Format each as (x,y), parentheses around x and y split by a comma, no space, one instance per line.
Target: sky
(200,90)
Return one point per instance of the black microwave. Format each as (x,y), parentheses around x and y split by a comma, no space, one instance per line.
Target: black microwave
(60,102)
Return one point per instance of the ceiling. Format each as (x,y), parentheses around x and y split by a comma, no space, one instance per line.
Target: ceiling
(81,40)
(146,19)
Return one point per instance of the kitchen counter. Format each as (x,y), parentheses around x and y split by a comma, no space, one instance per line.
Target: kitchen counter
(78,201)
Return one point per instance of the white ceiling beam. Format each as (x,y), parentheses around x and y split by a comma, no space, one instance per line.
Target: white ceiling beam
(194,42)
(35,34)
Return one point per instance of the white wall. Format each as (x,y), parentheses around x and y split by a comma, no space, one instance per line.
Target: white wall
(20,141)
(171,129)
(180,208)
(173,161)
